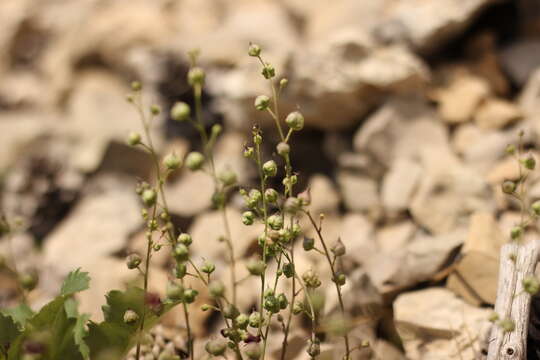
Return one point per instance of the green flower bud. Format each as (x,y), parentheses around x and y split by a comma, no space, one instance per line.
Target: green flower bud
(218,199)
(216,129)
(283,149)
(283,302)
(152,224)
(180,111)
(271,304)
(255,319)
(130,317)
(156,247)
(181,252)
(136,86)
(493,317)
(172,162)
(254,50)
(268,292)
(253,351)
(248,218)
(216,289)
(149,197)
(134,139)
(155,110)
(205,307)
(308,243)
(271,195)
(509,187)
(194,160)
(270,168)
(175,291)
(190,295)
(531,285)
(516,232)
(311,279)
(268,71)
(227,177)
(256,267)
(296,230)
(257,139)
(262,102)
(529,162)
(511,149)
(216,347)
(184,238)
(254,197)
(230,311)
(208,267)
(283,82)
(28,280)
(180,270)
(536,207)
(275,222)
(242,321)
(295,120)
(133,261)
(248,152)
(196,76)
(338,249)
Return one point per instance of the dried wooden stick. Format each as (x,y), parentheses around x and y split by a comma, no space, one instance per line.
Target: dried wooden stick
(518,261)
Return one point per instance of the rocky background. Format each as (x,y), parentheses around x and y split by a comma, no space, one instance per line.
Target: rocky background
(409,106)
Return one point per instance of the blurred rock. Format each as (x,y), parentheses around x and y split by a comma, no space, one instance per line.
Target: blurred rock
(476,273)
(496,114)
(395,236)
(460,99)
(520,59)
(191,194)
(359,193)
(399,184)
(98,226)
(444,330)
(324,196)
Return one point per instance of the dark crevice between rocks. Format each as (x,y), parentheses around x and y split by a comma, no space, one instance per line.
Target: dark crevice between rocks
(533,333)
(27,45)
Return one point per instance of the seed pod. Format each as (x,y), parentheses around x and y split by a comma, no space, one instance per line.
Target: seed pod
(227,177)
(149,197)
(283,302)
(216,289)
(283,149)
(242,321)
(155,110)
(288,270)
(134,139)
(208,267)
(311,279)
(253,351)
(230,311)
(275,221)
(248,152)
(216,347)
(298,308)
(338,249)
(181,252)
(510,149)
(254,50)
(185,238)
(516,232)
(262,102)
(130,317)
(175,291)
(180,270)
(308,243)
(268,71)
(196,76)
(172,161)
(133,261)
(340,279)
(256,267)
(283,82)
(180,111)
(529,162)
(270,168)
(295,120)
(509,187)
(194,161)
(136,86)
(536,207)
(271,304)
(271,195)
(255,319)
(28,280)
(314,348)
(190,295)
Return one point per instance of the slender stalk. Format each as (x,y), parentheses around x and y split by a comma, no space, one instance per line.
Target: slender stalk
(338,288)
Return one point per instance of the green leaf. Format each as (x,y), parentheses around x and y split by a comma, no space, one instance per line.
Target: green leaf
(80,333)
(8,332)
(75,281)
(20,314)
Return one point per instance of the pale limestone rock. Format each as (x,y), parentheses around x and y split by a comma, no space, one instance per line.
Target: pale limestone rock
(395,236)
(461,98)
(399,184)
(496,114)
(435,324)
(190,194)
(324,196)
(358,192)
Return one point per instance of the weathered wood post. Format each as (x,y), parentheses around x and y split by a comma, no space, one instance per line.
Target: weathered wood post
(518,261)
